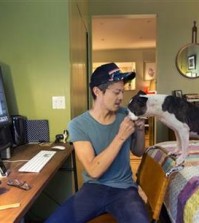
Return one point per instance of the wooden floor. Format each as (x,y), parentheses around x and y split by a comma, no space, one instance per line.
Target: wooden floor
(135,161)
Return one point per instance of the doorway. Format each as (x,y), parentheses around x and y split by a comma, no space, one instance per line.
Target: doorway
(128,39)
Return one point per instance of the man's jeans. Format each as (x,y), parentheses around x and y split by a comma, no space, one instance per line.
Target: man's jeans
(92,200)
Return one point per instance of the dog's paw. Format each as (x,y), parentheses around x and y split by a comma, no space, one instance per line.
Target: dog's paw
(180,160)
(175,152)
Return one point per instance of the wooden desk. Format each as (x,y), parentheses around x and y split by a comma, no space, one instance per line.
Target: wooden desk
(38,181)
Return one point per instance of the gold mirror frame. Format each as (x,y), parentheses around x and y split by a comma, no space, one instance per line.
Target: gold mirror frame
(187,61)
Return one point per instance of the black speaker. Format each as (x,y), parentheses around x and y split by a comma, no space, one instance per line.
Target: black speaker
(37,131)
(18,130)
(5,142)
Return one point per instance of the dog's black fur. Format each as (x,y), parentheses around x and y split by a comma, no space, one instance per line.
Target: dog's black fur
(177,113)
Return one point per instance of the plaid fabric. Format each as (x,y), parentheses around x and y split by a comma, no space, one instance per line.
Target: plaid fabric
(165,160)
(181,200)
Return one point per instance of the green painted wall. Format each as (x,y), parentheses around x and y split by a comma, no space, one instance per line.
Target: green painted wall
(43,54)
(34,54)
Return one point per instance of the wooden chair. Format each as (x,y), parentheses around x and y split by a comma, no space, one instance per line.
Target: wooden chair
(154,182)
(104,218)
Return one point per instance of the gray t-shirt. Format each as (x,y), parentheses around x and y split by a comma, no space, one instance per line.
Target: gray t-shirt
(86,128)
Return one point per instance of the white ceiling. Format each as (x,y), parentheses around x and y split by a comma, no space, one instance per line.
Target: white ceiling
(123,32)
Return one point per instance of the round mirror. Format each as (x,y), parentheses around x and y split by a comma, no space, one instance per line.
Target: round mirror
(187,60)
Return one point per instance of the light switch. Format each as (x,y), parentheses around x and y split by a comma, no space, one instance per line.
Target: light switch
(58,102)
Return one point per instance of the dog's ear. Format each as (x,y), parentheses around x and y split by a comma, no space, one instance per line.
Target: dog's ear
(137,105)
(141,97)
(142,100)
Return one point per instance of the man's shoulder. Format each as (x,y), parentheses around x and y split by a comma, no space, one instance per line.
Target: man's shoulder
(80,118)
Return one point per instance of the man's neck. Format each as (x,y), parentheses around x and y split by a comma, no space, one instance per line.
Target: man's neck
(102,116)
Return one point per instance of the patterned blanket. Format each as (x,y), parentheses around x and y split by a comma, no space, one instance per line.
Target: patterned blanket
(182,197)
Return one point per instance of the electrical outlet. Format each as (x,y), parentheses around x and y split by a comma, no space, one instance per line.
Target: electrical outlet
(58,102)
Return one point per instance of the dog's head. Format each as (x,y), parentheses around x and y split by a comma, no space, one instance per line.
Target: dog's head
(137,105)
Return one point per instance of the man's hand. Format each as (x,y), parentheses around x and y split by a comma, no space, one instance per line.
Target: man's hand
(139,124)
(127,127)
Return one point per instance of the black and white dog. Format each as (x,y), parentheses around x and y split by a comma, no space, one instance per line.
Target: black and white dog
(176,113)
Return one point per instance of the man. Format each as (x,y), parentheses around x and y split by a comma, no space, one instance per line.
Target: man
(102,138)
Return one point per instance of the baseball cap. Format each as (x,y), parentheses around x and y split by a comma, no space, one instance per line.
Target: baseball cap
(107,73)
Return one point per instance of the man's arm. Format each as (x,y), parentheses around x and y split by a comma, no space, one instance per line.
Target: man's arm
(138,141)
(97,165)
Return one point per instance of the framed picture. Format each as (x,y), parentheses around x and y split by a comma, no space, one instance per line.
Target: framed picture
(130,85)
(177,93)
(149,71)
(192,62)
(128,67)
